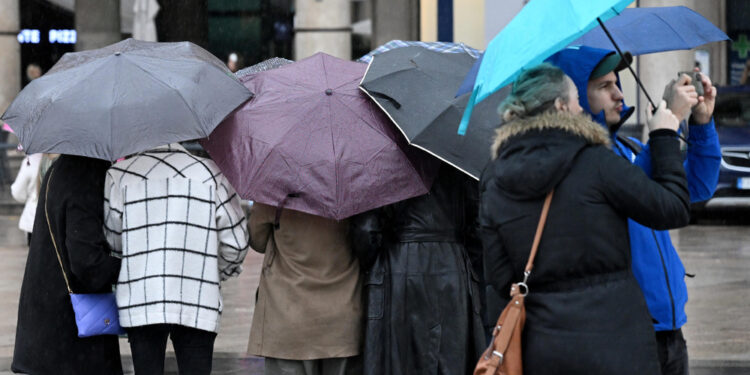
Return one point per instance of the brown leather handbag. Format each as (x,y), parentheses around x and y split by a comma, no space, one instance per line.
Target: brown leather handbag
(503,356)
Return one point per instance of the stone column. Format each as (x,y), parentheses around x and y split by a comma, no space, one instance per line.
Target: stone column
(10,58)
(322,26)
(394,19)
(97,23)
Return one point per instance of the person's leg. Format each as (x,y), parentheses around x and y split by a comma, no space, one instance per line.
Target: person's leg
(673,355)
(278,366)
(147,345)
(341,366)
(194,349)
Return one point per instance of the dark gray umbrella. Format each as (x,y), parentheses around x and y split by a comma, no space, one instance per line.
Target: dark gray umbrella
(125,98)
(416,88)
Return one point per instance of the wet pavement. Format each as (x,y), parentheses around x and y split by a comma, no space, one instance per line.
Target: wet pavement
(718,330)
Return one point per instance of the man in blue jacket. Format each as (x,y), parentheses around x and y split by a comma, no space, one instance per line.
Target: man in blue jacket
(656,264)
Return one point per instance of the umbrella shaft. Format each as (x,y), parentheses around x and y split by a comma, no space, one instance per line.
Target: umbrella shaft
(637,80)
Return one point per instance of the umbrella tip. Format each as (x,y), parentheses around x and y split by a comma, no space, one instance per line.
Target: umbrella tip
(329,92)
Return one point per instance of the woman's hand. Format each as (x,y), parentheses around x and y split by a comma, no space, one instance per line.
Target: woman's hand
(662,119)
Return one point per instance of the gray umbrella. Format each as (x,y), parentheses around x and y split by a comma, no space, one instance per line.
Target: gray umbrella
(272,63)
(125,98)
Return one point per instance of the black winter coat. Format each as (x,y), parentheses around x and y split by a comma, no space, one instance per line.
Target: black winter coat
(421,296)
(46,334)
(585,311)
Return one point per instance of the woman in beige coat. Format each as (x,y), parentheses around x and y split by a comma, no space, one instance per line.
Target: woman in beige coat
(308,315)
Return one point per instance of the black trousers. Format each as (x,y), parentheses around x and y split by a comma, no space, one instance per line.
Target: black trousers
(673,354)
(193,348)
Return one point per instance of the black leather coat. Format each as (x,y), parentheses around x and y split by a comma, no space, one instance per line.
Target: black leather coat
(422,298)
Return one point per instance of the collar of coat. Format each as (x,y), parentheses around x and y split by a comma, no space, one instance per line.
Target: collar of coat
(170,147)
(580,125)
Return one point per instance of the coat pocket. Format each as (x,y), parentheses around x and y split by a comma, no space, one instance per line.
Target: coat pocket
(375,292)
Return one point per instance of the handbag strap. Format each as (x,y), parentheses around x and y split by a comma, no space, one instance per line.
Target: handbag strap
(538,235)
(52,235)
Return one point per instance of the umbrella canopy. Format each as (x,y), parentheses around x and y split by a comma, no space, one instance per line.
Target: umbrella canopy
(648,30)
(124,98)
(445,47)
(416,88)
(540,29)
(262,66)
(311,141)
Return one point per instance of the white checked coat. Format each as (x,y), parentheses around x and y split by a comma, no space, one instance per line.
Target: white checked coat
(179,227)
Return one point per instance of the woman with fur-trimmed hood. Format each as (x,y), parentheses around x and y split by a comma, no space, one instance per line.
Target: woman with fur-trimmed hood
(585,311)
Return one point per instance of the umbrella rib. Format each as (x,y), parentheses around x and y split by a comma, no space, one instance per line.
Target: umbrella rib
(179,94)
(675,31)
(385,135)
(52,100)
(333,146)
(416,145)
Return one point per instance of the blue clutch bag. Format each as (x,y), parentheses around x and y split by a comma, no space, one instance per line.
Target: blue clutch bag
(96,314)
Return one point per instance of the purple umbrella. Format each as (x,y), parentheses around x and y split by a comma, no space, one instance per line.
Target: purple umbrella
(311,141)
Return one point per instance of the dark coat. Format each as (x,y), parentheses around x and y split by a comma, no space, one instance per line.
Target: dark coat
(46,335)
(421,296)
(585,311)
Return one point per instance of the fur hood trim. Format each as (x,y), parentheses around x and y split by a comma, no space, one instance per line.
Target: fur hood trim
(580,125)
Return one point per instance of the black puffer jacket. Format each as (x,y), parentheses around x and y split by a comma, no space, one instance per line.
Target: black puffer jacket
(421,297)
(585,311)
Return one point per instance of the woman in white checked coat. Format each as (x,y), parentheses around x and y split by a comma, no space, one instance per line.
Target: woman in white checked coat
(179,228)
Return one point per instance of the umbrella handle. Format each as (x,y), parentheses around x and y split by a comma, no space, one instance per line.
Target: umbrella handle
(388,98)
(280,207)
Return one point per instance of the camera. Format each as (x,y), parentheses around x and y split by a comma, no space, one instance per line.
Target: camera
(695,80)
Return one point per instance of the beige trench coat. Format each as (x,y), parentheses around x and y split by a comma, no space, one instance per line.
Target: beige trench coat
(309,300)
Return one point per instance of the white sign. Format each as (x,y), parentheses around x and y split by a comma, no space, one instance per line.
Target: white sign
(62,36)
(31,36)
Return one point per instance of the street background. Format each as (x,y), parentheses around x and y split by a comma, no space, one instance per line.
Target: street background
(717,332)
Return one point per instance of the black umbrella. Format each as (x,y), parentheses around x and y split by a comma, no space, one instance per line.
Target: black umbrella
(125,98)
(416,88)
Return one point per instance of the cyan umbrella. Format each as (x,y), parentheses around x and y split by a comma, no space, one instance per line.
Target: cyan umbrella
(641,31)
(540,29)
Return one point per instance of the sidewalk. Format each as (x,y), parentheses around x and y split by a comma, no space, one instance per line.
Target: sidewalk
(718,331)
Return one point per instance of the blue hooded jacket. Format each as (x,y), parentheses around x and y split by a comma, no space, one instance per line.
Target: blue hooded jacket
(656,264)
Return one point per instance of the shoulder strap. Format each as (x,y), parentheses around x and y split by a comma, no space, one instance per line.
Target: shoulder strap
(631,144)
(538,235)
(49,226)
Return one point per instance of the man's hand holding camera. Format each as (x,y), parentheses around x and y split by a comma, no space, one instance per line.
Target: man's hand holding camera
(705,109)
(681,96)
(691,91)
